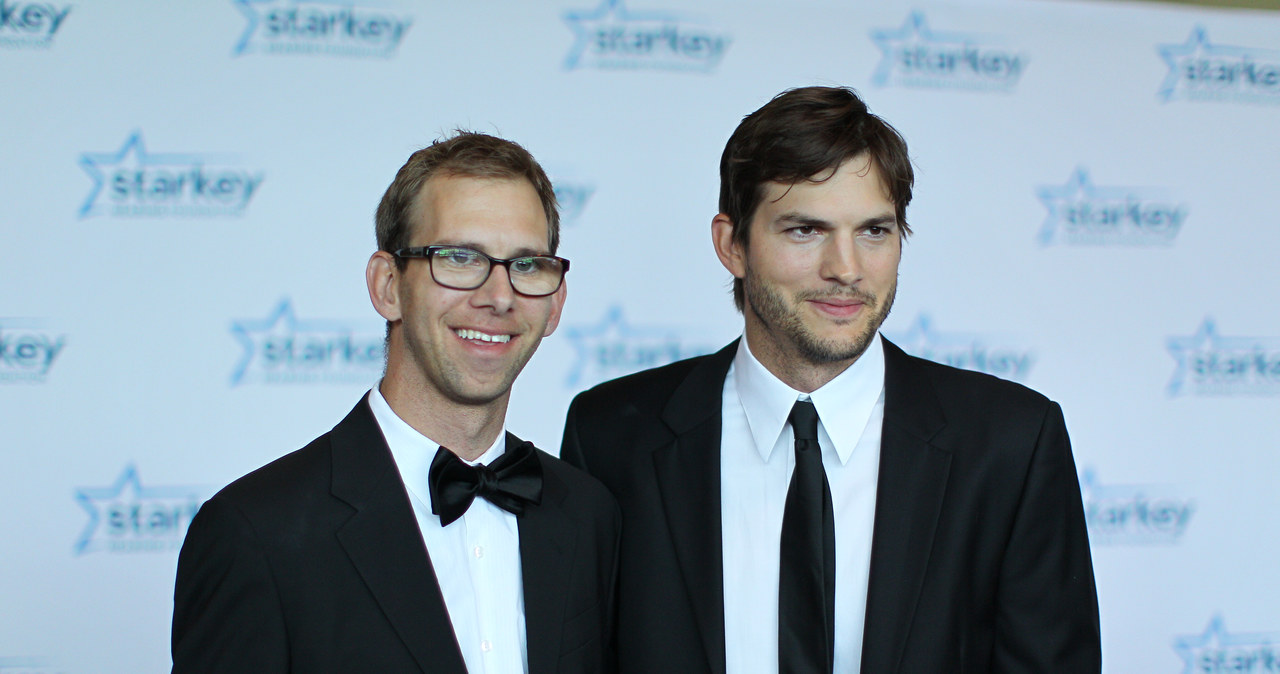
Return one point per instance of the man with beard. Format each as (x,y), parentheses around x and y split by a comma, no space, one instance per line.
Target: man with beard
(418,535)
(811,498)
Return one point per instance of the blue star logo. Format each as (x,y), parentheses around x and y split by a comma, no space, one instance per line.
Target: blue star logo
(127,488)
(612,36)
(319,27)
(614,347)
(913,32)
(1133,514)
(282,325)
(1182,349)
(254,18)
(1238,356)
(1114,215)
(587,23)
(572,196)
(922,56)
(921,337)
(1196,49)
(133,154)
(1214,646)
(970,351)
(280,322)
(1057,199)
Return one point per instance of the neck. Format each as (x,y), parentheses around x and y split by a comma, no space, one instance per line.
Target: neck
(466,429)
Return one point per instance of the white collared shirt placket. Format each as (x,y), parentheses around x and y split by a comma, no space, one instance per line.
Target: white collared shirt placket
(476,558)
(756,462)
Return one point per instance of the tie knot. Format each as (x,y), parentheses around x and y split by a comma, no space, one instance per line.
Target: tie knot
(804,420)
(510,482)
(486,479)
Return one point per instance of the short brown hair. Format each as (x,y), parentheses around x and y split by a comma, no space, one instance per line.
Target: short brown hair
(468,154)
(798,135)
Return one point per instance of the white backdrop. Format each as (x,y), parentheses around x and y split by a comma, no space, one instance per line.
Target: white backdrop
(186,200)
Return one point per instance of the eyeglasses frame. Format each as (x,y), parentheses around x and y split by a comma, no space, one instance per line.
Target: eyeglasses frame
(428,253)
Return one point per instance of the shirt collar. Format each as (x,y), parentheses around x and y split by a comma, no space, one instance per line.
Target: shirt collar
(414,451)
(844,404)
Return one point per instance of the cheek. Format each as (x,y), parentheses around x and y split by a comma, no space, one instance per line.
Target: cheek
(783,267)
(884,264)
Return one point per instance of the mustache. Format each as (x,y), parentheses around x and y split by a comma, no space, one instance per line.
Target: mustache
(855,294)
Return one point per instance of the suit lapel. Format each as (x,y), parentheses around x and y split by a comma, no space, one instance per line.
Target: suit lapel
(546,556)
(909,492)
(688,472)
(384,543)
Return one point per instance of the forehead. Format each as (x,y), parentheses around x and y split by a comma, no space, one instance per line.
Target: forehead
(492,213)
(855,188)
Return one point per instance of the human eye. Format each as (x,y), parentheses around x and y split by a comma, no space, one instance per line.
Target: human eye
(525,265)
(877,232)
(459,257)
(803,232)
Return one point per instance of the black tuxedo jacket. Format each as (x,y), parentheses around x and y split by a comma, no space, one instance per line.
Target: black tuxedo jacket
(315,563)
(979,556)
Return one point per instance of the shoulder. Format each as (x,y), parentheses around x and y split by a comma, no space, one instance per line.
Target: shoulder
(294,473)
(275,497)
(979,388)
(578,484)
(647,392)
(955,387)
(972,413)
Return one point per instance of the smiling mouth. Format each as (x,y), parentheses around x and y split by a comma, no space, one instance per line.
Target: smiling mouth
(482,336)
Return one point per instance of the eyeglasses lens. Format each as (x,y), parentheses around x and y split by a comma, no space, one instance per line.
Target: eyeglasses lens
(466,269)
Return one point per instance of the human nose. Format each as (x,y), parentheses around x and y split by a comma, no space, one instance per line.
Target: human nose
(496,292)
(840,261)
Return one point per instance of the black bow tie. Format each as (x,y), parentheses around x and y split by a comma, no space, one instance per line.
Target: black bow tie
(511,481)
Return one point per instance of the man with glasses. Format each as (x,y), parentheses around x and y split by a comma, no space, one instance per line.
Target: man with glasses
(418,535)
(811,499)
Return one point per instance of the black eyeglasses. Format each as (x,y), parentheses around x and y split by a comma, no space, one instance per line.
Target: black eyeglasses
(463,268)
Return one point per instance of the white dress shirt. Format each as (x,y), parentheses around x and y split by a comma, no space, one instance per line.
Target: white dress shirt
(757,456)
(476,558)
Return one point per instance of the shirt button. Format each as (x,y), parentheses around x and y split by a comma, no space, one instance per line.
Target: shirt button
(486,646)
(479,552)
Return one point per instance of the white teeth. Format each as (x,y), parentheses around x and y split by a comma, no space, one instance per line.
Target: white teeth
(483,336)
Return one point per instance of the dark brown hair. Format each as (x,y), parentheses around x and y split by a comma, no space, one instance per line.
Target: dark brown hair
(800,135)
(465,153)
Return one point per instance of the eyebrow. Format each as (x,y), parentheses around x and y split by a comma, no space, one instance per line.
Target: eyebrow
(795,218)
(520,252)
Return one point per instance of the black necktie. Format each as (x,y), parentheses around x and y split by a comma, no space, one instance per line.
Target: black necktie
(807,578)
(511,481)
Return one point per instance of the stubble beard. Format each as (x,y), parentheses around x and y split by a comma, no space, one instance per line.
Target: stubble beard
(782,318)
(449,379)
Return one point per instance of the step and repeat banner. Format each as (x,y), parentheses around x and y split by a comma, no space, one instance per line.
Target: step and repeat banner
(186,203)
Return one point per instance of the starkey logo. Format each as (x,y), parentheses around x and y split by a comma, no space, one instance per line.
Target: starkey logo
(342,29)
(134,183)
(613,347)
(127,516)
(996,355)
(282,349)
(1217,651)
(572,196)
(913,55)
(1084,214)
(613,37)
(1202,71)
(1212,364)
(28,350)
(1133,514)
(30,25)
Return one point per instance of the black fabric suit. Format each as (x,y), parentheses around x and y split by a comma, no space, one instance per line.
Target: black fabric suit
(979,559)
(315,563)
